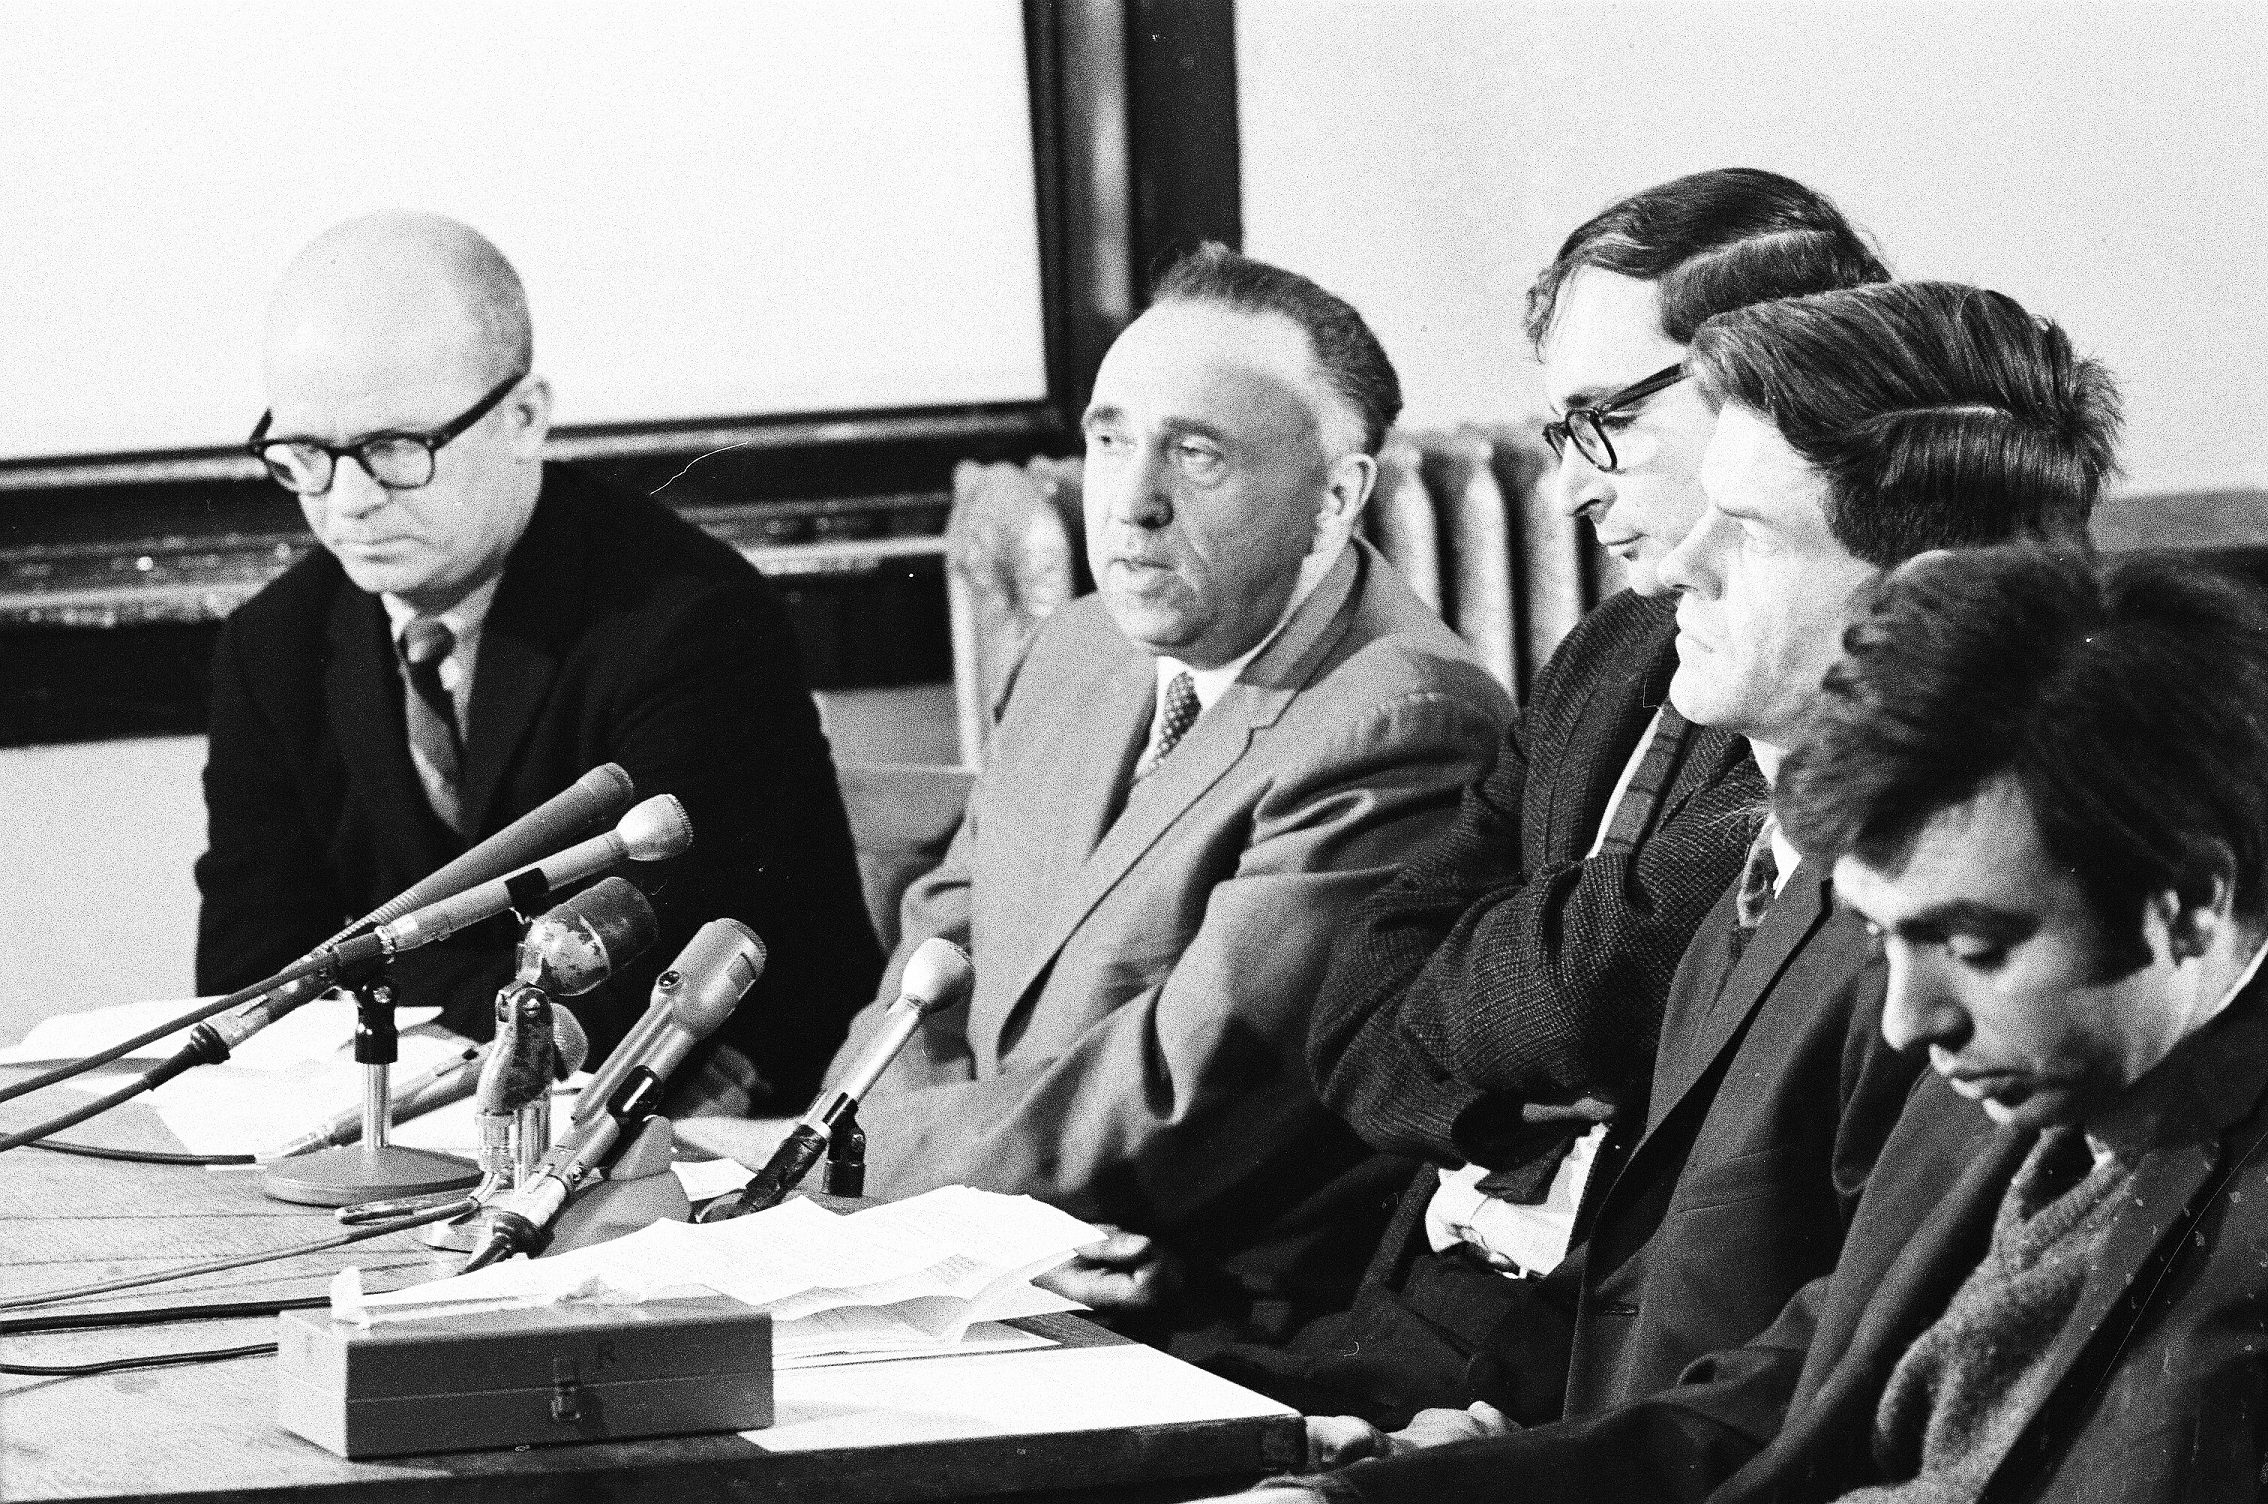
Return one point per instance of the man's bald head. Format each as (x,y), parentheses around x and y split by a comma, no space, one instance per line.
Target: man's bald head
(406,282)
(406,324)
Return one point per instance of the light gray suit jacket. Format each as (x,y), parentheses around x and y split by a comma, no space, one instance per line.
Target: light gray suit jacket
(1133,1050)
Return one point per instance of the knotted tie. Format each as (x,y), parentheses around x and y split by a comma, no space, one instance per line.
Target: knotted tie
(1759,881)
(435,741)
(1181,712)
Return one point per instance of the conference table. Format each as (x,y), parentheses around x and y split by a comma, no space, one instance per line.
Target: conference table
(1093,1416)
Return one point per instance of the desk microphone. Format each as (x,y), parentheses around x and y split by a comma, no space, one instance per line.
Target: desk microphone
(650,832)
(938,974)
(699,991)
(565,953)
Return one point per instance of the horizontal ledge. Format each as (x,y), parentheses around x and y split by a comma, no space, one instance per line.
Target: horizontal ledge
(597,441)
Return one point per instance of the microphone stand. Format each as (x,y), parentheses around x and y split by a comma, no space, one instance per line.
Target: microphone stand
(376,1167)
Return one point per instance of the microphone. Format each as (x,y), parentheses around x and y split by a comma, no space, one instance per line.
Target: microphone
(566,952)
(937,975)
(650,832)
(696,995)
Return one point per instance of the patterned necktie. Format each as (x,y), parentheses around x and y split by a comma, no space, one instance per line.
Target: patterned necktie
(1759,882)
(435,742)
(1181,712)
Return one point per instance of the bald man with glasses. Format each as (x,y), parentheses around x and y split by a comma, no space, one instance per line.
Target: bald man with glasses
(476,631)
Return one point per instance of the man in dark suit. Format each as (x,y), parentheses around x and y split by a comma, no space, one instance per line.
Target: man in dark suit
(1499,999)
(477,630)
(1198,771)
(2048,786)
(1857,428)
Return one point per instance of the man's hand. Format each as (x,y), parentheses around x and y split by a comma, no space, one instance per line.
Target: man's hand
(1336,1440)
(1126,1274)
(1434,1428)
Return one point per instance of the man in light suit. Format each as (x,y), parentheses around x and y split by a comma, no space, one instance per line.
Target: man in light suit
(1198,771)
(2046,786)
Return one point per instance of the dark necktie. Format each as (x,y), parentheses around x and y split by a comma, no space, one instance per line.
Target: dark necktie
(1759,881)
(433,734)
(1181,712)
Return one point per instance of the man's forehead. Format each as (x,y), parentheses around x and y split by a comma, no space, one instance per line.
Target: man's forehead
(1204,365)
(1605,334)
(1984,852)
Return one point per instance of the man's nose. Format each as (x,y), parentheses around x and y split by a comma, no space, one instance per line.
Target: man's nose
(1921,1007)
(1582,487)
(353,493)
(1694,564)
(1146,500)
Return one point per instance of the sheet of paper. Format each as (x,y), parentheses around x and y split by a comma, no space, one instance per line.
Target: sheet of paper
(252,1103)
(985,1337)
(706,1179)
(312,1031)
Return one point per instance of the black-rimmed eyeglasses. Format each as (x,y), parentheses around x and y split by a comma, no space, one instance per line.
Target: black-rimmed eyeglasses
(394,458)
(1583,427)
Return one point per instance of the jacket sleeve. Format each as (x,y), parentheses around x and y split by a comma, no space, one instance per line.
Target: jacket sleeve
(268,893)
(1474,989)
(1130,1121)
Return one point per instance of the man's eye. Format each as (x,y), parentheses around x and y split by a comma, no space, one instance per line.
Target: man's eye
(1616,422)
(1198,456)
(1105,440)
(1977,955)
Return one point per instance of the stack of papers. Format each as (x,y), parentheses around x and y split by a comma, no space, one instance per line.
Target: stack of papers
(898,1280)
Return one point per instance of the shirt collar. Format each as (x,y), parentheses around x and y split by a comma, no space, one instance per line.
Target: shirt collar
(463,620)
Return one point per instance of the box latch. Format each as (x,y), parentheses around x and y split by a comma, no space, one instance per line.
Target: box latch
(566,1392)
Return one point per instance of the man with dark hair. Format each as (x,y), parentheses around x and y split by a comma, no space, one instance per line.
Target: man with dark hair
(1197,772)
(1498,1000)
(2045,784)
(477,630)
(1771,1092)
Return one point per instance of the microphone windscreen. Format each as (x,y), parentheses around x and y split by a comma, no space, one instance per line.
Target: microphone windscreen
(657,829)
(573,1045)
(937,975)
(579,943)
(599,796)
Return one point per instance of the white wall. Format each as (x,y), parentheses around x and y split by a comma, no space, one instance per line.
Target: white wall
(2105,163)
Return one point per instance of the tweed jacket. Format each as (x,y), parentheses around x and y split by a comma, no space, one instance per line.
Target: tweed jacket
(1144,977)
(619,632)
(1504,991)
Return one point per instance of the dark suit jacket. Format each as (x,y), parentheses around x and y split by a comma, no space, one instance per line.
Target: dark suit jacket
(1144,976)
(1503,979)
(2162,1373)
(619,633)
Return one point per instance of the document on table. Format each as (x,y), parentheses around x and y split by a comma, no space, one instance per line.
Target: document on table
(313,1031)
(900,1278)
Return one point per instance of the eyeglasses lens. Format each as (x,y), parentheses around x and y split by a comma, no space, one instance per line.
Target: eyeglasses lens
(1584,430)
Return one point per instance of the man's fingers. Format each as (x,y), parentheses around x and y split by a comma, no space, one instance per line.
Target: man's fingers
(1336,1440)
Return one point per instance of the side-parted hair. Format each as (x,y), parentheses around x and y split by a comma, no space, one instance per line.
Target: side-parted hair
(1715,241)
(2128,701)
(1353,363)
(1942,416)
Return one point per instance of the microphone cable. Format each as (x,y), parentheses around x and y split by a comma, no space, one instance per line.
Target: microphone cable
(140,1156)
(193,1017)
(219,1310)
(239,1261)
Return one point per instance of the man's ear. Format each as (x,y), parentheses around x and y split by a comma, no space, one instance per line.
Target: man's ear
(1348,485)
(528,410)
(2196,912)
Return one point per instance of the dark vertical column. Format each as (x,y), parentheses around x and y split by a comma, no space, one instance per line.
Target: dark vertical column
(1182,131)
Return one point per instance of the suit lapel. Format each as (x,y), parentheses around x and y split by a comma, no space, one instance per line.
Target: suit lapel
(1213,746)
(1795,915)
(537,607)
(359,679)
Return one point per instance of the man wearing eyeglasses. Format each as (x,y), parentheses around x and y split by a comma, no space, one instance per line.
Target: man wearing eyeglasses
(477,630)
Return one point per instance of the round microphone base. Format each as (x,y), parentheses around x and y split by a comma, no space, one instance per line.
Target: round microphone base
(342,1177)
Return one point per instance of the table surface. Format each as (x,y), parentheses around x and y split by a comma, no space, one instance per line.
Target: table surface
(1093,1415)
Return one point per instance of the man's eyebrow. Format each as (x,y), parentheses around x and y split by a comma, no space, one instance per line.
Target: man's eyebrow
(1192,426)
(1104,413)
(1965,916)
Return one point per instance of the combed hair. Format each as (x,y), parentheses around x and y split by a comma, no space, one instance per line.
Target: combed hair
(1715,241)
(1942,416)
(1353,363)
(2128,701)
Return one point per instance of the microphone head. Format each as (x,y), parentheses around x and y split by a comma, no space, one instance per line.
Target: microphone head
(580,942)
(570,1045)
(656,829)
(608,787)
(938,974)
(710,976)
